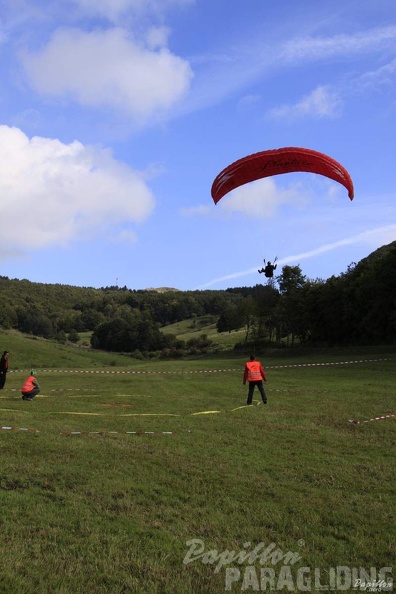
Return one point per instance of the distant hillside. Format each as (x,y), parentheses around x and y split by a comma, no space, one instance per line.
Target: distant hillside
(28,351)
(162,290)
(63,312)
(357,307)
(193,328)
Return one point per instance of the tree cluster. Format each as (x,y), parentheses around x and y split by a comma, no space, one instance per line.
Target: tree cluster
(120,320)
(357,307)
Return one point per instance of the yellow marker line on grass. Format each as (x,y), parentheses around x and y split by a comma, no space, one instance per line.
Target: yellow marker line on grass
(239,407)
(206,412)
(149,415)
(77,413)
(246,406)
(93,414)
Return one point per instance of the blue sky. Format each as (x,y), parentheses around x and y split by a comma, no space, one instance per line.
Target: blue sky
(117,115)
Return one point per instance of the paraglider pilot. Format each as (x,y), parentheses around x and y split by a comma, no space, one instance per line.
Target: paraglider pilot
(268,270)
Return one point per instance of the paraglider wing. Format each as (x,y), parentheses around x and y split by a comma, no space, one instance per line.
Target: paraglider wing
(275,162)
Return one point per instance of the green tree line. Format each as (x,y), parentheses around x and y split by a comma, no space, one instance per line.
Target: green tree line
(120,319)
(357,307)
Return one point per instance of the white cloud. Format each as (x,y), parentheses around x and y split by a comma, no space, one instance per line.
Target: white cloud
(157,37)
(110,9)
(116,9)
(262,199)
(322,103)
(109,69)
(315,48)
(52,193)
(258,200)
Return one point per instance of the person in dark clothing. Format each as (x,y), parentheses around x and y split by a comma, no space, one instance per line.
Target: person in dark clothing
(3,369)
(254,374)
(268,270)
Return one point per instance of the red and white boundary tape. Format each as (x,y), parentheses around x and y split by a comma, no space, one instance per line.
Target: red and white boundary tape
(381,418)
(72,433)
(6,428)
(204,371)
(55,390)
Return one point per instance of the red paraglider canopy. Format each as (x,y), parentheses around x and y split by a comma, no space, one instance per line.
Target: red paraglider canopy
(275,162)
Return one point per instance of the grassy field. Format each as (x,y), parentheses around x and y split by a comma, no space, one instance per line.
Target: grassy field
(87,506)
(31,351)
(188,329)
(193,328)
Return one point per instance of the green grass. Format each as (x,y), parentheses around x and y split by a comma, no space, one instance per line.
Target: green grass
(31,351)
(111,512)
(188,329)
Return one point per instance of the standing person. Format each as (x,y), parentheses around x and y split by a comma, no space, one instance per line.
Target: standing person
(254,374)
(30,387)
(3,369)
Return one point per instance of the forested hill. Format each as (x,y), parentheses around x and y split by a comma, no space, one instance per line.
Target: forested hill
(357,307)
(53,310)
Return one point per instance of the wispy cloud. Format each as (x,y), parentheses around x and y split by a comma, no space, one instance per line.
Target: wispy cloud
(384,75)
(322,102)
(327,101)
(217,79)
(325,48)
(114,10)
(373,238)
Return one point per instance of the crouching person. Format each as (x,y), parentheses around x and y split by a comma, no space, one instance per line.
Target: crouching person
(30,387)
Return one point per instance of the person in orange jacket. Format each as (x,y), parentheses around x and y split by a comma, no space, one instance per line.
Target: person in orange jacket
(30,387)
(254,374)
